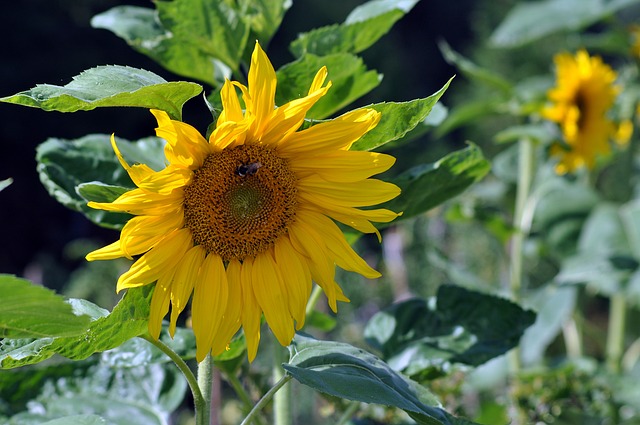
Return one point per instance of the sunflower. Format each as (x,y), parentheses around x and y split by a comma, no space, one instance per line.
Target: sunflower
(583,95)
(247,220)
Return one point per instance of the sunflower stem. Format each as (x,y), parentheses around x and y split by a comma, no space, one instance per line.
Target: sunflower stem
(265,399)
(281,399)
(313,300)
(198,400)
(205,379)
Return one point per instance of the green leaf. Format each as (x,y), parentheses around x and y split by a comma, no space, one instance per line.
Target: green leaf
(110,85)
(473,71)
(69,169)
(540,133)
(349,77)
(5,183)
(30,311)
(423,339)
(362,28)
(127,320)
(530,21)
(344,371)
(216,28)
(120,395)
(140,27)
(398,118)
(264,17)
(428,185)
(77,420)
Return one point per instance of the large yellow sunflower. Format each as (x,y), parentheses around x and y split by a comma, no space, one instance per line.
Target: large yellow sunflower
(245,221)
(581,99)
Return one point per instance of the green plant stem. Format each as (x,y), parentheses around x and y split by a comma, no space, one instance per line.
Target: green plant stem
(348,413)
(247,404)
(282,399)
(313,299)
(615,335)
(198,400)
(205,377)
(265,399)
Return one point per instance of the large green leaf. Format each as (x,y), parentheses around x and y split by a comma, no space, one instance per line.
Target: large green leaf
(264,17)
(30,311)
(110,85)
(530,21)
(423,339)
(362,28)
(127,320)
(349,76)
(214,27)
(397,119)
(344,371)
(83,392)
(428,185)
(75,171)
(141,29)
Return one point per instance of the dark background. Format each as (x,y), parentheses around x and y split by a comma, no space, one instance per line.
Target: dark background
(52,41)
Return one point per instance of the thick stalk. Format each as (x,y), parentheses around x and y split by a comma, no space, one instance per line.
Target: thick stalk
(615,335)
(205,378)
(282,399)
(198,400)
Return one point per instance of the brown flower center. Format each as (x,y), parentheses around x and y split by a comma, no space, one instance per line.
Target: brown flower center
(240,201)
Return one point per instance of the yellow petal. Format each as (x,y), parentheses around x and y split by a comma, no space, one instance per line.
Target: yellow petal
(272,299)
(137,172)
(158,261)
(342,166)
(185,145)
(160,303)
(296,278)
(348,194)
(139,202)
(231,109)
(250,310)
(141,233)
(329,136)
(231,318)
(209,303)
(108,252)
(184,281)
(262,87)
(343,254)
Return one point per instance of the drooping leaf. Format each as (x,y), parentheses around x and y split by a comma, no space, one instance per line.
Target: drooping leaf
(110,85)
(530,21)
(127,320)
(349,76)
(422,339)
(140,27)
(428,185)
(31,311)
(216,28)
(344,371)
(362,28)
(397,119)
(75,171)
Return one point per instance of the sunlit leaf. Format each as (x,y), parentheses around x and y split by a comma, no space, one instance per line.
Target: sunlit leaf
(344,371)
(264,17)
(349,76)
(362,28)
(140,27)
(127,320)
(530,21)
(423,339)
(5,183)
(75,171)
(77,420)
(397,119)
(428,185)
(110,85)
(31,311)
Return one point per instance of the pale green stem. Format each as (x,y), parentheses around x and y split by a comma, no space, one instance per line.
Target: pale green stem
(313,300)
(572,339)
(247,404)
(348,413)
(282,399)
(205,377)
(198,400)
(265,399)
(615,335)
(631,356)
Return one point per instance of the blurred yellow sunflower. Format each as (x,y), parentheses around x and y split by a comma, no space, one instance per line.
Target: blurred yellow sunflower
(580,101)
(245,220)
